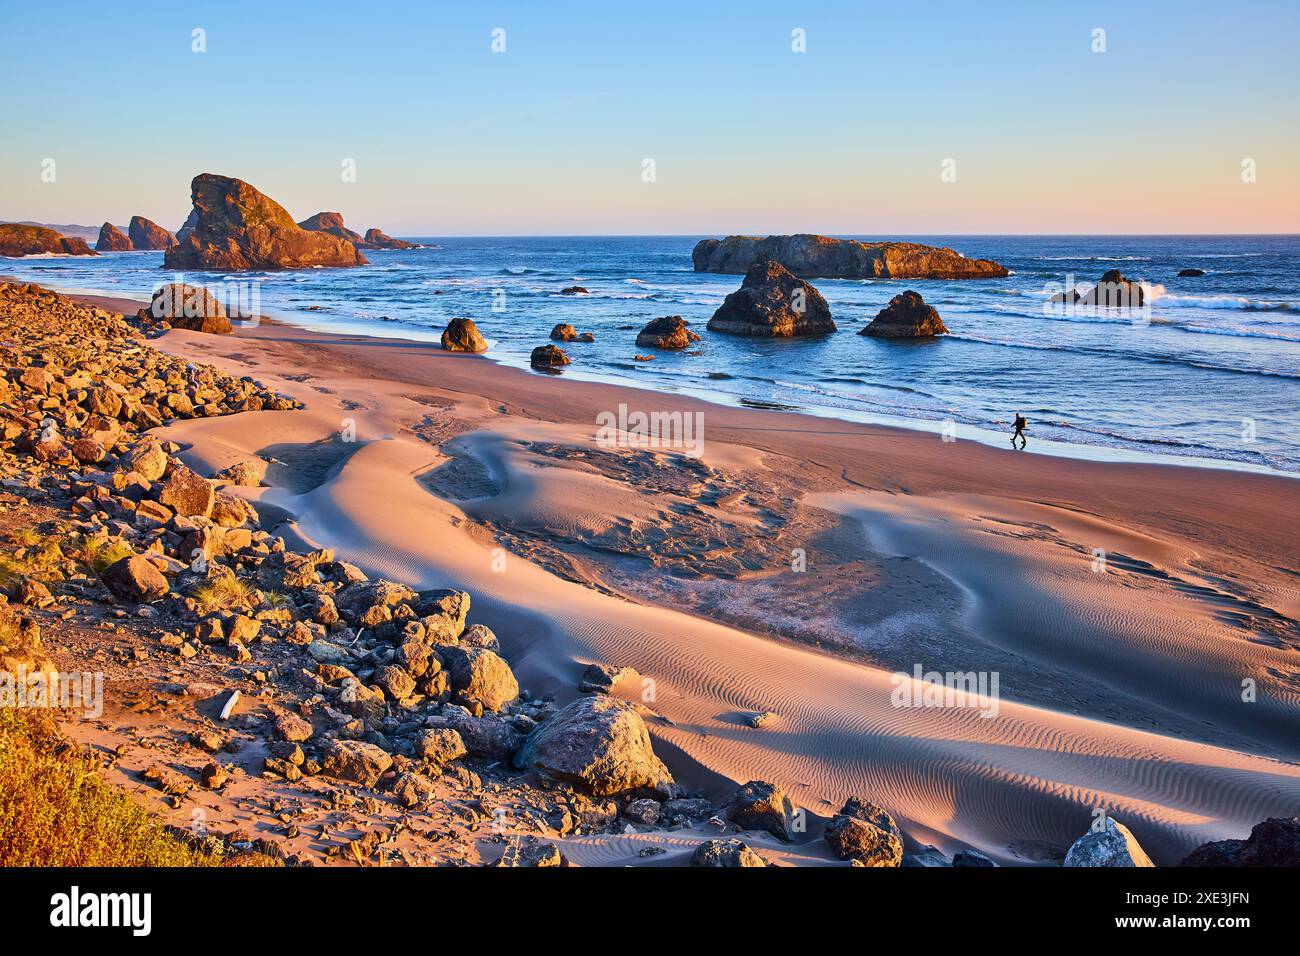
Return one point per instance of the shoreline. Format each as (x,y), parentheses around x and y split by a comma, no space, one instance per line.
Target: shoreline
(1120,688)
(995,439)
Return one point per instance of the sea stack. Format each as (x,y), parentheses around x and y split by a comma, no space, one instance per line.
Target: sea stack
(332,223)
(906,317)
(17,240)
(112,239)
(773,303)
(1113,291)
(666,332)
(820,257)
(148,235)
(378,239)
(234,227)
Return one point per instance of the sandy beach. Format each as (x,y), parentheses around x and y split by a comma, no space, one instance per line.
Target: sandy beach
(793,568)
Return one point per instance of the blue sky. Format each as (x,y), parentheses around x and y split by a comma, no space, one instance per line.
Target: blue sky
(549,137)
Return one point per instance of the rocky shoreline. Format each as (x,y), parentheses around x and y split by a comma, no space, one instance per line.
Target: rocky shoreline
(384,707)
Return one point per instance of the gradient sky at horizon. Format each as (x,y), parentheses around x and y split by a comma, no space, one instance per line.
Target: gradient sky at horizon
(549,137)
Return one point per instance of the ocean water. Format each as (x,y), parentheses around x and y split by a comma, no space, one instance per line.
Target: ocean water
(1211,372)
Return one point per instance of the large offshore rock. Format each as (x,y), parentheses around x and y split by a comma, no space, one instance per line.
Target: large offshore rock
(814,257)
(147,234)
(18,240)
(906,317)
(235,227)
(332,223)
(112,239)
(666,332)
(773,303)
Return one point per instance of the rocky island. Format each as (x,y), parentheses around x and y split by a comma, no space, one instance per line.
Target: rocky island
(112,239)
(906,317)
(820,257)
(148,235)
(19,239)
(234,227)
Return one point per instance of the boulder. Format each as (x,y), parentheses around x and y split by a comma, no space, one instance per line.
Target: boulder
(928,857)
(600,743)
(134,578)
(462,335)
(376,239)
(189,307)
(772,303)
(17,240)
(814,257)
(667,332)
(906,317)
(235,227)
(1275,842)
(489,737)
(395,681)
(1112,845)
(292,728)
(548,356)
(564,333)
(88,450)
(356,761)
(112,239)
(247,473)
(413,790)
(644,811)
(1190,273)
(573,290)
(866,834)
(478,674)
(852,839)
(972,858)
(530,852)
(759,805)
(1114,291)
(440,745)
(725,853)
(146,234)
(188,493)
(231,511)
(480,635)
(602,678)
(446,603)
(149,460)
(871,813)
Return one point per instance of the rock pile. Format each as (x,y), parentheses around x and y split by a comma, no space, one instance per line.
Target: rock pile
(80,384)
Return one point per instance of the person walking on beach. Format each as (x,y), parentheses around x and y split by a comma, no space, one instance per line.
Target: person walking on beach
(1021,425)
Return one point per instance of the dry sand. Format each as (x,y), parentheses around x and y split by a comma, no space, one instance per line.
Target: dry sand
(1122,606)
